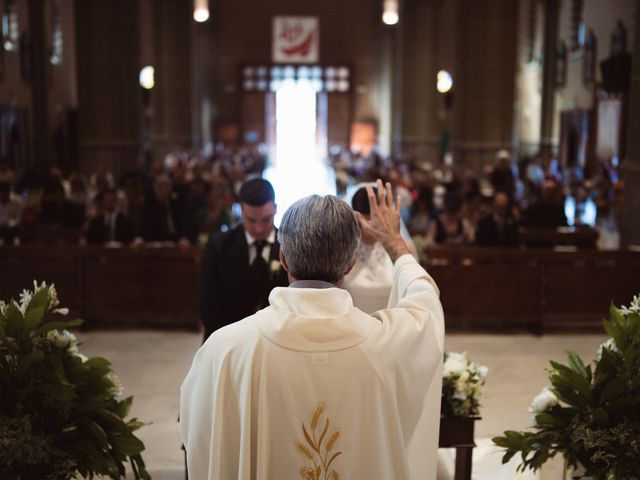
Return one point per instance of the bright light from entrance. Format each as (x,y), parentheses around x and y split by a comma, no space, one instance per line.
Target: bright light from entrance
(298,170)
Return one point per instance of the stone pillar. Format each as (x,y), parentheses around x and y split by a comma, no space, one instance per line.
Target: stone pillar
(109,97)
(420,101)
(172,107)
(482,120)
(38,62)
(630,228)
(551,12)
(384,87)
(203,78)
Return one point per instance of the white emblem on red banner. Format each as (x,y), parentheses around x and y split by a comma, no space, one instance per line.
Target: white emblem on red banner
(296,39)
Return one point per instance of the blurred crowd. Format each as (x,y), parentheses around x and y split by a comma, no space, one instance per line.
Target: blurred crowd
(188,197)
(449,204)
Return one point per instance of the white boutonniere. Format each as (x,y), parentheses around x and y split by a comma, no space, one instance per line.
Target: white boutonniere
(274,268)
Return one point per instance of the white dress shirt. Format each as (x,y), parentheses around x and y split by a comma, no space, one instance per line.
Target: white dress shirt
(271,239)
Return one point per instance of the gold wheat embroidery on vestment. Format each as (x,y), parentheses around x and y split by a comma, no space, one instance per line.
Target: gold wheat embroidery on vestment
(317,447)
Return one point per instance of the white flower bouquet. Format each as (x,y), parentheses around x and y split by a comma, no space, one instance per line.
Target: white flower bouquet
(462,382)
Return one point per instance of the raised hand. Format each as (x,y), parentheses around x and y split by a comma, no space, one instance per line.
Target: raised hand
(384,222)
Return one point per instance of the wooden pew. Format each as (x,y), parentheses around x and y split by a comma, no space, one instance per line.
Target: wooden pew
(532,288)
(481,289)
(111,287)
(148,288)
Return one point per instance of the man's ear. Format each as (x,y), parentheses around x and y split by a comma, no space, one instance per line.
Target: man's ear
(283,261)
(350,267)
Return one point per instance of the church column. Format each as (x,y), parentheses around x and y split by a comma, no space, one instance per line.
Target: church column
(172,97)
(551,12)
(630,228)
(421,57)
(38,69)
(109,98)
(482,117)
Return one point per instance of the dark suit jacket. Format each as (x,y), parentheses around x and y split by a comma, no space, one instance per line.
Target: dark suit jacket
(99,234)
(490,234)
(155,226)
(545,214)
(229,288)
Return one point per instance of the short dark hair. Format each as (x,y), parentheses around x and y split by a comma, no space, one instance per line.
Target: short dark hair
(360,201)
(257,192)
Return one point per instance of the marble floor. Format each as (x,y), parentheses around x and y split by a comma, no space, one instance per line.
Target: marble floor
(152,364)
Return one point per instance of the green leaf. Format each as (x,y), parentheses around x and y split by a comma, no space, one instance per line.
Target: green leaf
(612,390)
(577,365)
(112,421)
(545,419)
(128,444)
(573,379)
(97,433)
(614,332)
(124,406)
(569,396)
(98,365)
(616,315)
(25,362)
(94,460)
(135,424)
(57,325)
(15,320)
(40,299)
(3,337)
(140,467)
(33,317)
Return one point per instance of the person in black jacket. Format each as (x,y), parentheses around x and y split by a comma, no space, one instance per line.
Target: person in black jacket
(110,225)
(241,267)
(499,228)
(165,217)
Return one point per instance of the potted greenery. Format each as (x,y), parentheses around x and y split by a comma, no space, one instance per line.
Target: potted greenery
(591,413)
(61,414)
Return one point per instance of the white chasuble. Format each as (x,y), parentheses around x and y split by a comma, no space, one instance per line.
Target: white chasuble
(312,388)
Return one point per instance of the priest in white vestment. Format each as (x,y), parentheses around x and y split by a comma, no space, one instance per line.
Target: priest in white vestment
(311,387)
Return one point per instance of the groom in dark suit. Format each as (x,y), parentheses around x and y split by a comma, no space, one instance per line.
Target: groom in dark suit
(241,267)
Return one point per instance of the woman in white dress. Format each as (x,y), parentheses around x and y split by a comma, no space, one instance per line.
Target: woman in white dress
(369,283)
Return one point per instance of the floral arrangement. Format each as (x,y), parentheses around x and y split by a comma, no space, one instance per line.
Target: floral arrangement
(462,382)
(61,414)
(274,269)
(591,414)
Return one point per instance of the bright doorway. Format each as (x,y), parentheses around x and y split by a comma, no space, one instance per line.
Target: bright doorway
(298,168)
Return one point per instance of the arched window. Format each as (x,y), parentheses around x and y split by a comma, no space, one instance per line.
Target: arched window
(55,33)
(10,27)
(578,33)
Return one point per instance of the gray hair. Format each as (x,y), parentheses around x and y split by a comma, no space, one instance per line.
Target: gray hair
(319,237)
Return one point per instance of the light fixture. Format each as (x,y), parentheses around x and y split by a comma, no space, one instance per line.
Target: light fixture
(201,10)
(147,77)
(444,81)
(390,12)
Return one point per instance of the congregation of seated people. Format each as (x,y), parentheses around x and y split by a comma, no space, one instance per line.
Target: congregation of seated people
(187,198)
